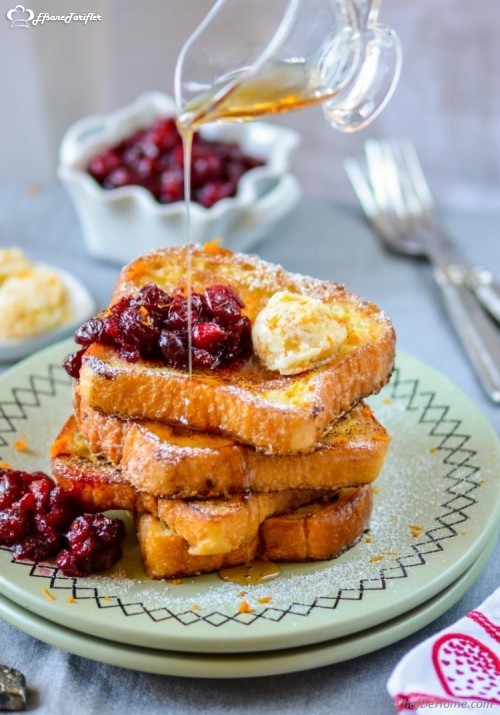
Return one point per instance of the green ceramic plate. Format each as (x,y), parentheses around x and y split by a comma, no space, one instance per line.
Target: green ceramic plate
(243,665)
(441,476)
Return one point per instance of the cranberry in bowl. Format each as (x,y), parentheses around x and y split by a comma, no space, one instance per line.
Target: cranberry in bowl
(128,205)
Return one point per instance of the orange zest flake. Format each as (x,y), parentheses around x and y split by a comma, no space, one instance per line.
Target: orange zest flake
(49,595)
(105,598)
(387,401)
(463,533)
(368,539)
(70,600)
(376,489)
(245,607)
(176,581)
(265,599)
(240,594)
(416,530)
(383,554)
(5,465)
(433,450)
(215,248)
(21,444)
(195,607)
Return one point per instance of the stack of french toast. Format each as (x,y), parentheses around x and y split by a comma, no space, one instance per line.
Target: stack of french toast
(269,457)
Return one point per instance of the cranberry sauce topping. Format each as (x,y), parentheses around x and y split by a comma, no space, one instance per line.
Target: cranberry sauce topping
(153,325)
(93,545)
(37,520)
(153,158)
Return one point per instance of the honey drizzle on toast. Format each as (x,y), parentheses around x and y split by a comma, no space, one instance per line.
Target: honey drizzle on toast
(187,145)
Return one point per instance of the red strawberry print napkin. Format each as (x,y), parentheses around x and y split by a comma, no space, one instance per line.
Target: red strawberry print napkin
(457,669)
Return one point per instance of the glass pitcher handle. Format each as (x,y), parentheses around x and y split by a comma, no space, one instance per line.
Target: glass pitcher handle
(367,11)
(375,77)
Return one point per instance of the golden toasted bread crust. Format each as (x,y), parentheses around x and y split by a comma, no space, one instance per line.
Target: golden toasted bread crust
(317,531)
(169,461)
(211,526)
(321,531)
(275,414)
(166,555)
(218,526)
(96,483)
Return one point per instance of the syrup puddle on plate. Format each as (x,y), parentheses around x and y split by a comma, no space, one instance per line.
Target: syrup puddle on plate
(251,574)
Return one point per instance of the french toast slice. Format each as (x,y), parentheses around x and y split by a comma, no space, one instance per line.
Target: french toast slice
(96,483)
(210,526)
(316,532)
(173,461)
(274,413)
(165,554)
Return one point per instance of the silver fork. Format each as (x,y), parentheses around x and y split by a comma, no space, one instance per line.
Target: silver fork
(396,199)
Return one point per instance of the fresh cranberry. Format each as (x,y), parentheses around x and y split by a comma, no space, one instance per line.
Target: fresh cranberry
(153,157)
(138,329)
(235,170)
(208,336)
(153,325)
(224,303)
(72,363)
(215,191)
(206,168)
(11,487)
(177,318)
(204,360)
(102,164)
(62,508)
(93,545)
(153,297)
(90,332)
(41,492)
(173,349)
(35,548)
(171,186)
(34,513)
(13,523)
(120,177)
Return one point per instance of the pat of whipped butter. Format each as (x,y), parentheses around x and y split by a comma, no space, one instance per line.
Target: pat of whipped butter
(33,299)
(295,332)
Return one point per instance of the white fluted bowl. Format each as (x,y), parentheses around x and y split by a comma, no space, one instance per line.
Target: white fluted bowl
(120,224)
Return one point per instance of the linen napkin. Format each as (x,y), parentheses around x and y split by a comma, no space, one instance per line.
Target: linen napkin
(456,669)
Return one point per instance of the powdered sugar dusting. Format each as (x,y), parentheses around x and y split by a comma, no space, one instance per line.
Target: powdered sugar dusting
(407,498)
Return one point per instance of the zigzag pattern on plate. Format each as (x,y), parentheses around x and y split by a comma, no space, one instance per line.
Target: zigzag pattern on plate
(452,443)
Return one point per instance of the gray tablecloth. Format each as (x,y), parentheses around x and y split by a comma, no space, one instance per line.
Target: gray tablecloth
(329,242)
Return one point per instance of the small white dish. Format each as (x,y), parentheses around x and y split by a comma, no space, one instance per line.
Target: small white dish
(120,224)
(83,306)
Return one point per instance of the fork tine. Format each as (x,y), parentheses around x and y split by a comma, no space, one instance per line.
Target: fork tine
(357,173)
(376,174)
(414,169)
(412,205)
(398,207)
(361,187)
(392,182)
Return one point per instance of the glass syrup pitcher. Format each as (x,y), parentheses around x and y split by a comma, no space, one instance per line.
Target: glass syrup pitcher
(250,58)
